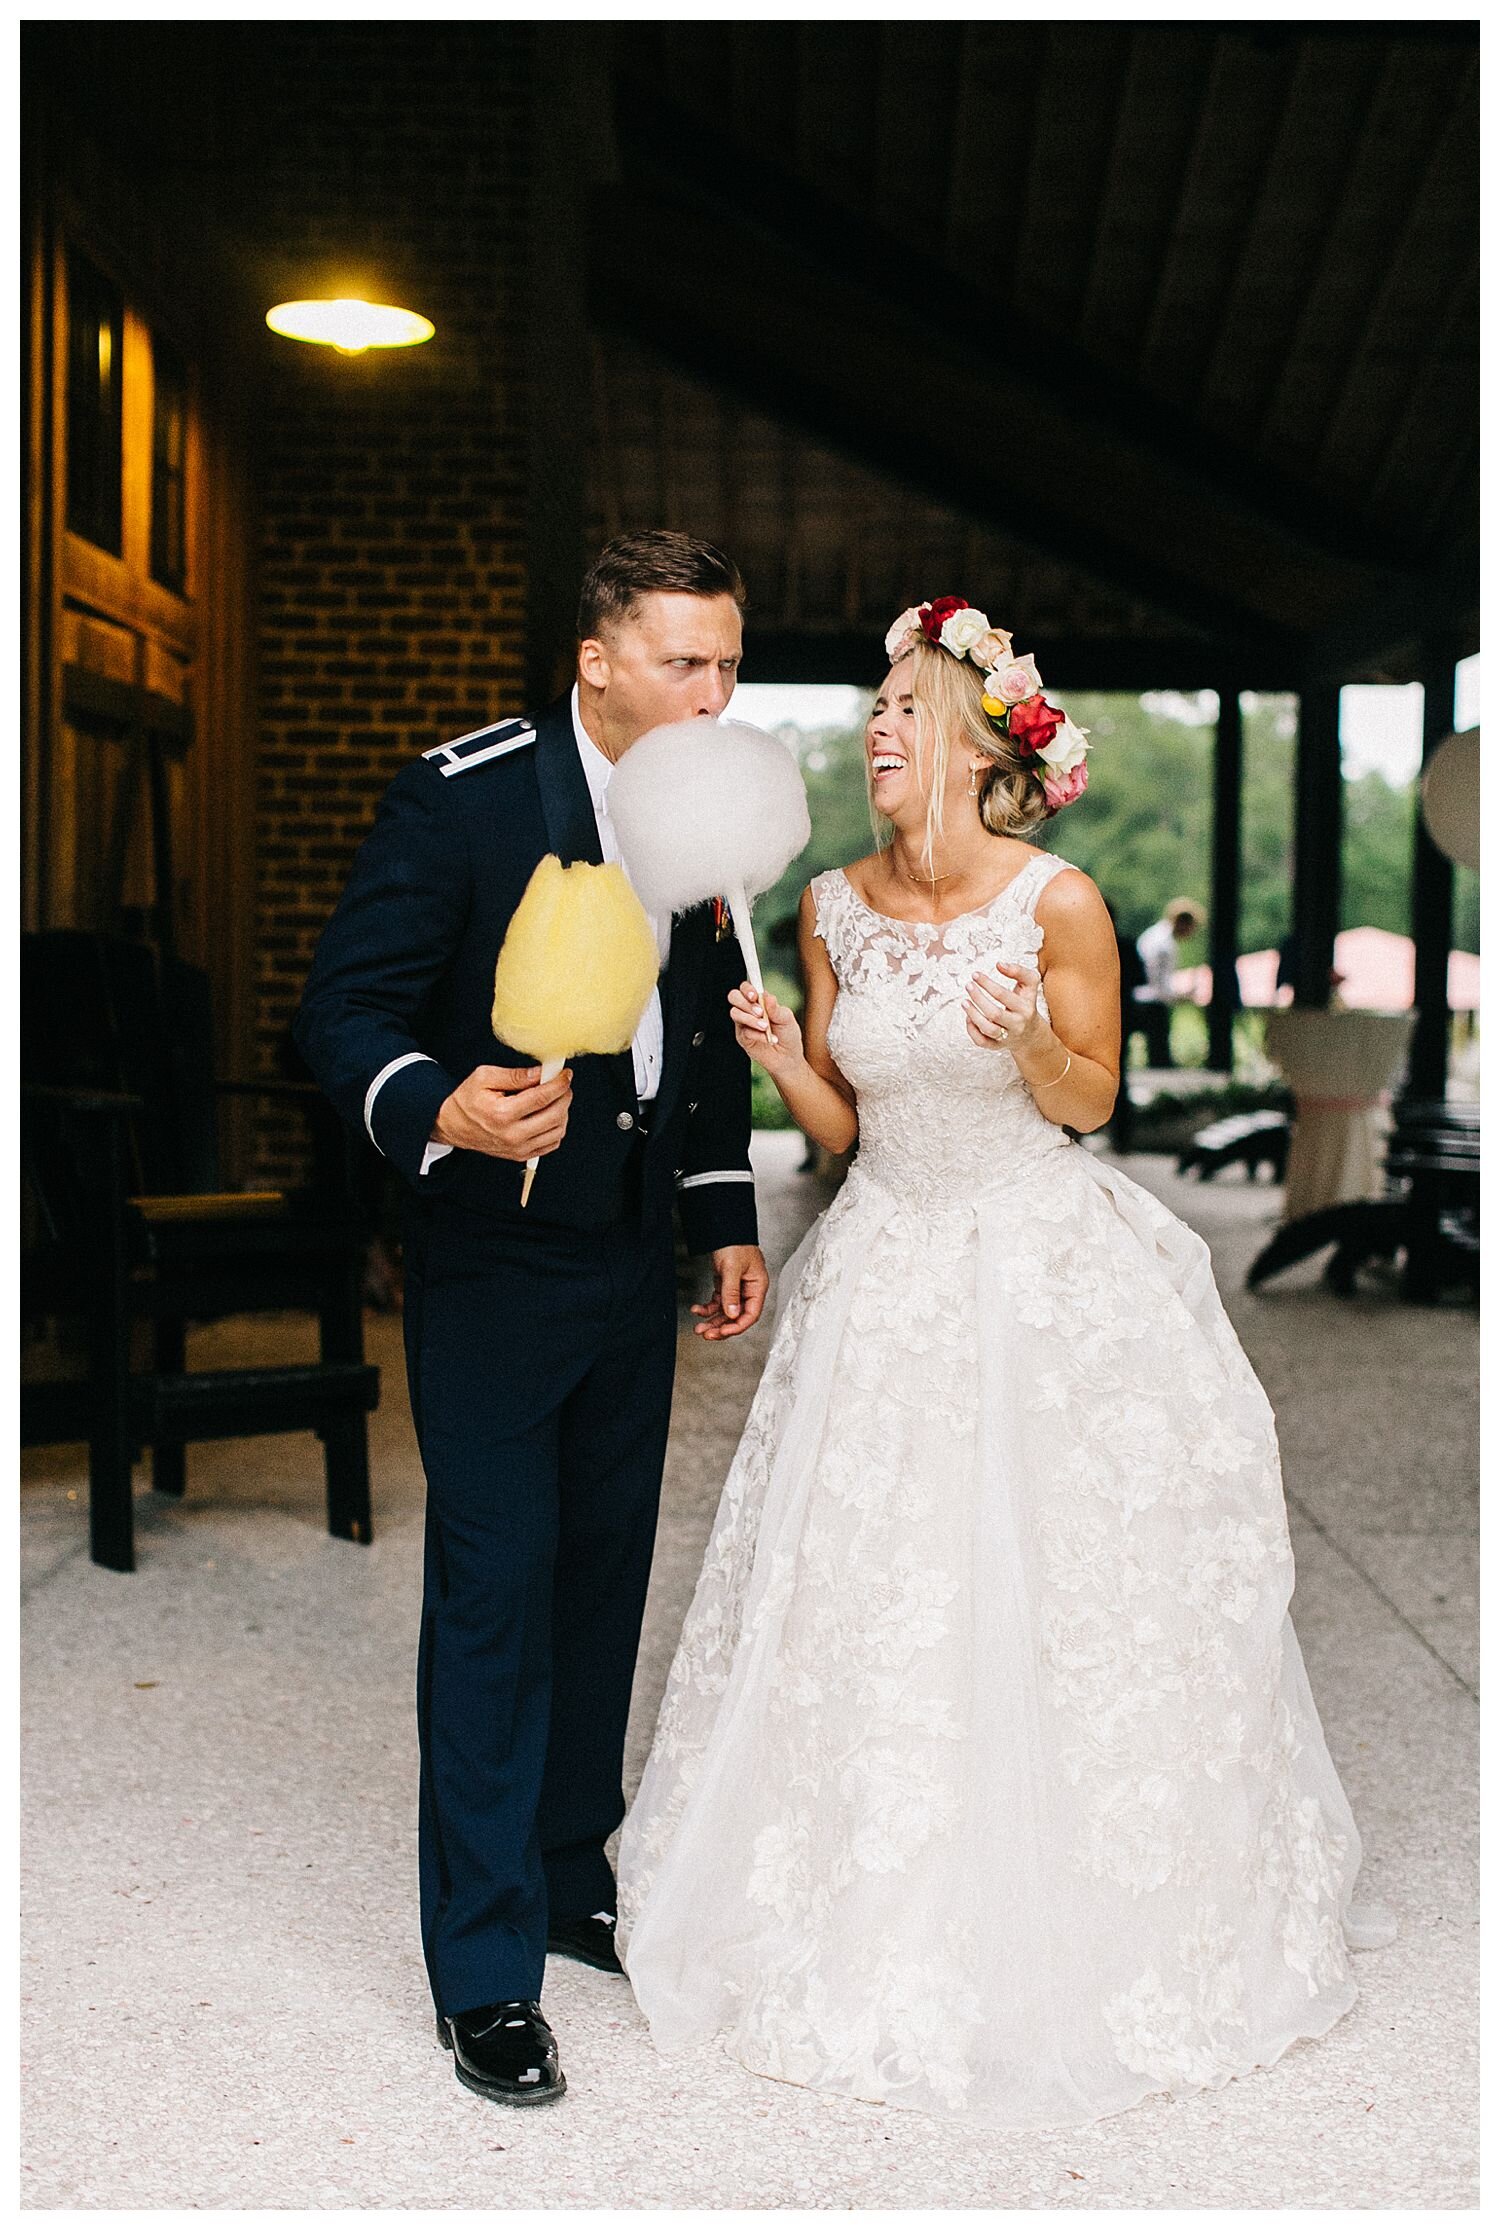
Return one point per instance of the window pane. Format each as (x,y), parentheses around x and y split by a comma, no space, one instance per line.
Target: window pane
(95,328)
(168,468)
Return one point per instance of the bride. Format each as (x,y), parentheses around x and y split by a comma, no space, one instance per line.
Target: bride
(988,1780)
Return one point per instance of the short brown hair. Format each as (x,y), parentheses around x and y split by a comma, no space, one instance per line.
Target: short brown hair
(633,565)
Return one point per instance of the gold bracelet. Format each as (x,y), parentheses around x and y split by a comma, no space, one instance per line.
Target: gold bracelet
(1062,1072)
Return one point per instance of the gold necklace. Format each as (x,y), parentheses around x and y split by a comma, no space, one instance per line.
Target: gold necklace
(930,880)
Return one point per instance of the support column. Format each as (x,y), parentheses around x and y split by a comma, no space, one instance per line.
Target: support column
(1317,844)
(1431,893)
(1224,904)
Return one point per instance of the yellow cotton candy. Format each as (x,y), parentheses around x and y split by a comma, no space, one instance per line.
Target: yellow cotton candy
(578,965)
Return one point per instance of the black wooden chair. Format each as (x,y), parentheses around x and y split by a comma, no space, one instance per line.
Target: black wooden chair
(125,1220)
(1429,1217)
(1255,1141)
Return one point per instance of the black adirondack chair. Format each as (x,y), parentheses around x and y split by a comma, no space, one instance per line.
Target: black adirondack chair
(125,1219)
(1429,1216)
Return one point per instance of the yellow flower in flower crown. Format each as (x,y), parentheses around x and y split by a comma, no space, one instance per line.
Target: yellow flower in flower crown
(994,706)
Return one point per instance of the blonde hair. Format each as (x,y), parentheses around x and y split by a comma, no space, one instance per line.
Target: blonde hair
(946,693)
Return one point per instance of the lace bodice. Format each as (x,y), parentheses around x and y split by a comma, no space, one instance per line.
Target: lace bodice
(940,1119)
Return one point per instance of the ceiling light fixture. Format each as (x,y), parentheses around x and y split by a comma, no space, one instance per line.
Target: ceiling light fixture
(349,325)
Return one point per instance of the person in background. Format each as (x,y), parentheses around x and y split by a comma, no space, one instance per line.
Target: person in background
(1157,947)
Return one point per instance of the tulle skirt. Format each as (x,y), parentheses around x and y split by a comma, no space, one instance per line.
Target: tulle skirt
(988,1780)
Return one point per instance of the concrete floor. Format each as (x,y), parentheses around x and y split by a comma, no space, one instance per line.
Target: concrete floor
(224,1999)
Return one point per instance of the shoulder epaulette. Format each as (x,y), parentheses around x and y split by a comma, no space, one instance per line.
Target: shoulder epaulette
(482,743)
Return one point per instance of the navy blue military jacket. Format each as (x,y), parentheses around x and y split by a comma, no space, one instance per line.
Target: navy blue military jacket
(396,1012)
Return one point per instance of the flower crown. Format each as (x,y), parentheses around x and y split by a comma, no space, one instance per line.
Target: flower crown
(1012,698)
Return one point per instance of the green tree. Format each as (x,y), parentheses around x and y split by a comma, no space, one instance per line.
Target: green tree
(1143,827)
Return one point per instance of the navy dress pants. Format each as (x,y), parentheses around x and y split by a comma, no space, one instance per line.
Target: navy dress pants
(540,1362)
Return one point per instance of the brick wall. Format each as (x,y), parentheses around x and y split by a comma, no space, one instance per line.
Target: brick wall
(392,484)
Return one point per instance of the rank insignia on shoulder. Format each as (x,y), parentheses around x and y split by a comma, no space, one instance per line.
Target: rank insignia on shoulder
(723,920)
(480,745)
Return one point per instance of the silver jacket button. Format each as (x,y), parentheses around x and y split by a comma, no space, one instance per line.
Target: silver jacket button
(624,1121)
(697,1037)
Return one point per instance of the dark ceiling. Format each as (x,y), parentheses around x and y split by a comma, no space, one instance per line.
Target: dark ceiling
(1160,333)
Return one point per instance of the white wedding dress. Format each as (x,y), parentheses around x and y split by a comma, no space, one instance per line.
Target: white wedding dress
(988,1779)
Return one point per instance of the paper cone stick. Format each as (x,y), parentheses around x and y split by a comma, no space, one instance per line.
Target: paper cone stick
(744,929)
(551,1070)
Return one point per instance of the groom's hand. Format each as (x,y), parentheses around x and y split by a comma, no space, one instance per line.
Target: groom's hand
(506,1112)
(741,1283)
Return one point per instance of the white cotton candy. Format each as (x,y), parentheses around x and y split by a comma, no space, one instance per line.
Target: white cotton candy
(705,807)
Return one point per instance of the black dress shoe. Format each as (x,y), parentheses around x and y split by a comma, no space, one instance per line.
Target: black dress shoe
(504,2051)
(591,1939)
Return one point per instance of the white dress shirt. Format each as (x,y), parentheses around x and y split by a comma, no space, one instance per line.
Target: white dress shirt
(1158,950)
(646,1045)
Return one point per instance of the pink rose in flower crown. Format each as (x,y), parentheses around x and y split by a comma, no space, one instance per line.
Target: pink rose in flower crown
(992,649)
(1067,750)
(1064,789)
(941,609)
(905,635)
(1032,724)
(1008,685)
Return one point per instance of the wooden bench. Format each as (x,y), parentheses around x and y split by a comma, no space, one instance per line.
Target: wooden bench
(125,1221)
(1257,1141)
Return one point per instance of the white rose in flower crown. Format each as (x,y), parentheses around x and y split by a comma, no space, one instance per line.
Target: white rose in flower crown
(1067,750)
(962,630)
(992,649)
(1013,682)
(910,623)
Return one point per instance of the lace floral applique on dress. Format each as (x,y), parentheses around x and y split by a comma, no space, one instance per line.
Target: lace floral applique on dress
(987,1779)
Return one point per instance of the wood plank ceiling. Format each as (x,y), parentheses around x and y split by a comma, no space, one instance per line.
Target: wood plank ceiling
(1137,333)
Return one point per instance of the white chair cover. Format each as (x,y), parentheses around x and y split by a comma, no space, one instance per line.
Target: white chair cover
(1341,1064)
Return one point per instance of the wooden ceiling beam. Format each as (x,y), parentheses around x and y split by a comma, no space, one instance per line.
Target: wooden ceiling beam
(1463,304)
(1460,117)
(1454,499)
(1331,255)
(1274,151)
(910,417)
(1129,664)
(1205,126)
(746,277)
(1381,639)
(1122,145)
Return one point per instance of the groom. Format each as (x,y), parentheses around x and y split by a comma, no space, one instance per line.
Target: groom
(540,1343)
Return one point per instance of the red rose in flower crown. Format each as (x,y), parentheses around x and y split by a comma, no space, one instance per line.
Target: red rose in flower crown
(934,615)
(1013,699)
(1033,724)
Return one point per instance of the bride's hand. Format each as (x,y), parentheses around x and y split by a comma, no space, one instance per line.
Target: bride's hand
(1000,1010)
(778,1054)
